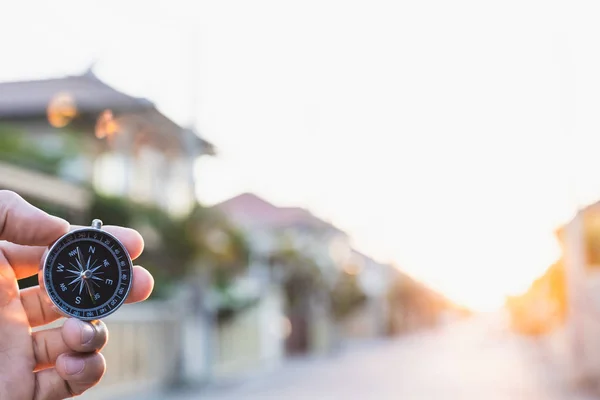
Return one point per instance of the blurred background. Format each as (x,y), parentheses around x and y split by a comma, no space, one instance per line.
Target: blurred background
(339,200)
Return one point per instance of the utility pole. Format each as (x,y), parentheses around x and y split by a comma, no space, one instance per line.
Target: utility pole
(574,231)
(204,283)
(197,358)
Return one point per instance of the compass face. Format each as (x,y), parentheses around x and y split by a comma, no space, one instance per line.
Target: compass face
(87,274)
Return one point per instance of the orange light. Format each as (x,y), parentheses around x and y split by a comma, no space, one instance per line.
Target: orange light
(106,125)
(61,110)
(352,268)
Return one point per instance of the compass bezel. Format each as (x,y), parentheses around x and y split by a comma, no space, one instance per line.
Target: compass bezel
(51,290)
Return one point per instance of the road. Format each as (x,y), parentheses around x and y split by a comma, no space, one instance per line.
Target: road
(475,360)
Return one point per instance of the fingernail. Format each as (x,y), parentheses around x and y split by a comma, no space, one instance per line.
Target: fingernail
(87,332)
(73,365)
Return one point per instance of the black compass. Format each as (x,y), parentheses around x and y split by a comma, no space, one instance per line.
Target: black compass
(87,273)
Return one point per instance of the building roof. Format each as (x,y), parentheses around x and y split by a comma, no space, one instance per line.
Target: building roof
(249,209)
(91,95)
(366,259)
(30,99)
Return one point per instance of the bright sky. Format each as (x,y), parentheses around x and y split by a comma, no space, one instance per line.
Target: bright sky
(450,137)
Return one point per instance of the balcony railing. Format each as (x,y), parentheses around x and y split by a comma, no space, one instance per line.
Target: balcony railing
(34,184)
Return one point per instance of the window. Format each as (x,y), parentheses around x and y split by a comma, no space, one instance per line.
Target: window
(110,174)
(179,188)
(148,176)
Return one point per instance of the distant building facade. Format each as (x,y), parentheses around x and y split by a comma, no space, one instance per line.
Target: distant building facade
(269,227)
(111,142)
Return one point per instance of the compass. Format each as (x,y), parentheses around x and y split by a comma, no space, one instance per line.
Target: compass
(87,273)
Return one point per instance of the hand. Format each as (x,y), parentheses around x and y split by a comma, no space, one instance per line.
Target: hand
(54,363)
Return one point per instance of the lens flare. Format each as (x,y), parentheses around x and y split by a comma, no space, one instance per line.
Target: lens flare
(106,125)
(61,110)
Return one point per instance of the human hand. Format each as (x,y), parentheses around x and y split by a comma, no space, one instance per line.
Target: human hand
(55,363)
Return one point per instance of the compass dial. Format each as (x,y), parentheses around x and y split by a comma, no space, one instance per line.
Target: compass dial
(87,274)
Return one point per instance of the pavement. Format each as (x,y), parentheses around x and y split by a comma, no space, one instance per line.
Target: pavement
(473,360)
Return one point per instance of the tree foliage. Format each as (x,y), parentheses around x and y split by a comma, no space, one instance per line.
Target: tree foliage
(299,274)
(17,148)
(182,243)
(302,278)
(346,296)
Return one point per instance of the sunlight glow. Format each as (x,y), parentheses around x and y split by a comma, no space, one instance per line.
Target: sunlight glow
(445,143)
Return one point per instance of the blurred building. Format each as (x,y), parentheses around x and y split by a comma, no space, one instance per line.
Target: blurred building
(563,304)
(270,229)
(64,142)
(371,319)
(541,309)
(61,138)
(414,305)
(580,243)
(380,298)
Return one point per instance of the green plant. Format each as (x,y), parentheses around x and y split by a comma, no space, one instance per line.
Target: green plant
(346,296)
(18,147)
(221,245)
(300,275)
(182,243)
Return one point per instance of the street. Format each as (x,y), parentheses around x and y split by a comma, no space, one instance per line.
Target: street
(477,359)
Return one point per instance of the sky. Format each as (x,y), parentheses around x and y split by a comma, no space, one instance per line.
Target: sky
(449,137)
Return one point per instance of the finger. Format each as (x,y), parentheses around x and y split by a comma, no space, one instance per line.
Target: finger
(40,310)
(22,223)
(74,335)
(72,375)
(25,260)
(142,286)
(130,238)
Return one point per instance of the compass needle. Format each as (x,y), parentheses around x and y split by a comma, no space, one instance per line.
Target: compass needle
(74,281)
(91,295)
(80,259)
(95,269)
(90,291)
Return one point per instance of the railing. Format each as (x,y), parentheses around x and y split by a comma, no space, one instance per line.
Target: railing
(44,187)
(146,339)
(253,340)
(141,351)
(29,164)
